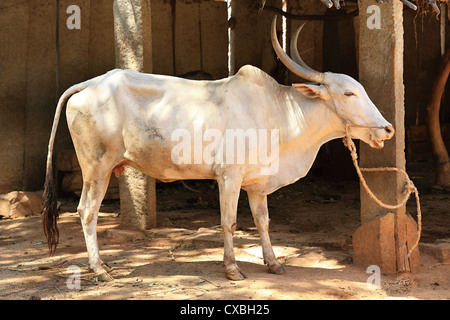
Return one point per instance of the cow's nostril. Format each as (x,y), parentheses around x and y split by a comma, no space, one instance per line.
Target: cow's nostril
(389,129)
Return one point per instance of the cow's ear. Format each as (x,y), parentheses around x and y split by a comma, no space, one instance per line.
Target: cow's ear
(312,90)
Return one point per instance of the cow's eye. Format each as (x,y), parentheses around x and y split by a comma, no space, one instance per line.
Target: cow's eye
(349,94)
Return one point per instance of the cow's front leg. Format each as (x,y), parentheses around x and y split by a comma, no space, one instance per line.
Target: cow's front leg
(260,212)
(229,189)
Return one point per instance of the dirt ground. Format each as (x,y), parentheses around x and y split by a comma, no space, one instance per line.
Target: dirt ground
(311,226)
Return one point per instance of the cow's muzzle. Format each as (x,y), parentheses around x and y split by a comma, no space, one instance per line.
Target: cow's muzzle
(377,136)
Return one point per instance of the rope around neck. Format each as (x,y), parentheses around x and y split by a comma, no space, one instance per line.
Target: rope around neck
(409,186)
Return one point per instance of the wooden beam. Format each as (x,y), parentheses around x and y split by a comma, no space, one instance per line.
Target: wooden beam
(308,17)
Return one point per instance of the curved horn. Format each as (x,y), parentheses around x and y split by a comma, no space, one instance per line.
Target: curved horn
(301,71)
(294,51)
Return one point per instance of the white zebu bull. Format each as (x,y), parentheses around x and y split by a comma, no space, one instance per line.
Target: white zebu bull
(126,118)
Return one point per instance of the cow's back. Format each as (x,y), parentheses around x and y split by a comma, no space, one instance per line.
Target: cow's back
(134,115)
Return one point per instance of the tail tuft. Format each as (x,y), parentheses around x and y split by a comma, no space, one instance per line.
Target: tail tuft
(50,213)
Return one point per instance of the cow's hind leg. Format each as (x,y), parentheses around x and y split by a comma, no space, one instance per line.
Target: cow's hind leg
(260,212)
(94,189)
(229,189)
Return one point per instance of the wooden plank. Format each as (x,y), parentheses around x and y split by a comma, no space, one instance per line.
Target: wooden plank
(162,40)
(101,37)
(66,160)
(214,33)
(73,45)
(187,37)
(41,90)
(14,44)
(402,257)
(72,181)
(250,36)
(67,166)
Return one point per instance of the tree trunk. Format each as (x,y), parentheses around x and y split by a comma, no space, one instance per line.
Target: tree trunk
(433,124)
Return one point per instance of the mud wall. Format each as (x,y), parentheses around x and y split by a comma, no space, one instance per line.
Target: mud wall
(37,64)
(40,57)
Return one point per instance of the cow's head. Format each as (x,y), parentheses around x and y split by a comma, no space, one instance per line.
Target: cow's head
(341,93)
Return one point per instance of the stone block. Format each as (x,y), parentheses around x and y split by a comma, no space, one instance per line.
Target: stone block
(385,242)
(20,204)
(374,244)
(440,250)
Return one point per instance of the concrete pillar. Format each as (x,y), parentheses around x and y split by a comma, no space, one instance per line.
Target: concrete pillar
(131,27)
(381,73)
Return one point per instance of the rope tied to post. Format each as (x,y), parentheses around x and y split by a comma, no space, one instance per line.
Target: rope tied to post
(409,186)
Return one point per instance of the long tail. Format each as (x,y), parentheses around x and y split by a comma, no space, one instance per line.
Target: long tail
(50,213)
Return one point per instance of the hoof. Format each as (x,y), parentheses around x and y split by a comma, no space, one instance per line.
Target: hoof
(104,277)
(276,269)
(235,275)
(107,267)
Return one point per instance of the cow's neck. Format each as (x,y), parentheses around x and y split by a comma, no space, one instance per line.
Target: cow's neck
(312,125)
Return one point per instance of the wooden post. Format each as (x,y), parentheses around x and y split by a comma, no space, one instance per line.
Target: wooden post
(131,27)
(381,73)
(438,146)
